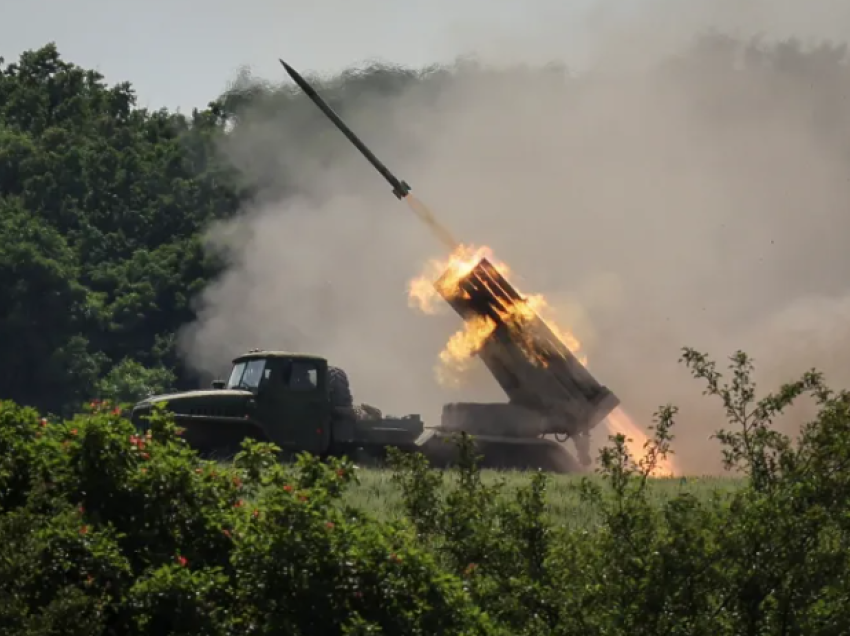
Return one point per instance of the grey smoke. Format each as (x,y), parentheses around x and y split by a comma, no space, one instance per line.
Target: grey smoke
(655,207)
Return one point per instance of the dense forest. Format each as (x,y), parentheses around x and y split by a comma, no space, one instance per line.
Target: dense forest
(104,204)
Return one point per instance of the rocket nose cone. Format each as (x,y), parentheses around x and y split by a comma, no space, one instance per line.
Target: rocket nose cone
(292,72)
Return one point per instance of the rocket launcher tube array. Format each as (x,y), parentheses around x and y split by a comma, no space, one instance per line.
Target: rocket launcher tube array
(531,364)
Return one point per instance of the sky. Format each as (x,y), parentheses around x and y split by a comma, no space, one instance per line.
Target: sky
(182,53)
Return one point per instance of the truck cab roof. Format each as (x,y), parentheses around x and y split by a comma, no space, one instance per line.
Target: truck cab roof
(262,353)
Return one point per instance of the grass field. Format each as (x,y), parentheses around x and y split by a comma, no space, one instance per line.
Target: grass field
(377,494)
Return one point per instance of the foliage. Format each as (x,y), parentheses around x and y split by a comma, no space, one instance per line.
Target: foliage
(128,382)
(130,533)
(379,492)
(101,206)
(109,530)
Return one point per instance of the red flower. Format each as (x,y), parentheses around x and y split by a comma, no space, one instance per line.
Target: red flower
(182,561)
(146,456)
(84,530)
(73,431)
(43,422)
(226,533)
(329,525)
(116,411)
(237,482)
(138,442)
(256,514)
(239,504)
(340,473)
(287,488)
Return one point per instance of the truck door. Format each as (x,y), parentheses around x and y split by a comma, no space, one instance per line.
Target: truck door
(297,409)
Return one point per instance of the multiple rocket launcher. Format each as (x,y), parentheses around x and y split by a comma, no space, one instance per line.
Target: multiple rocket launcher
(549,390)
(533,366)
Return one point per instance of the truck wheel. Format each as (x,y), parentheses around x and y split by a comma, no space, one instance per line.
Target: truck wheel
(339,389)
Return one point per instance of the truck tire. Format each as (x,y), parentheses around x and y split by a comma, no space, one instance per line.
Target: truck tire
(339,389)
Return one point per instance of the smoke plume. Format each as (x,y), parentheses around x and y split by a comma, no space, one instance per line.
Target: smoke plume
(680,190)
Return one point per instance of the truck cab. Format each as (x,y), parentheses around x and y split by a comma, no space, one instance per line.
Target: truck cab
(289,396)
(294,400)
(273,396)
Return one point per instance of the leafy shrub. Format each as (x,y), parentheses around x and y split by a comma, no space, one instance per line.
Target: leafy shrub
(128,382)
(105,530)
(134,534)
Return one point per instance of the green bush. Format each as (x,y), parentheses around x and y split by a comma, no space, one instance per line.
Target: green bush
(104,530)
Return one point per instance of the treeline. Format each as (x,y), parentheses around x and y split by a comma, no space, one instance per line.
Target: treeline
(103,203)
(106,530)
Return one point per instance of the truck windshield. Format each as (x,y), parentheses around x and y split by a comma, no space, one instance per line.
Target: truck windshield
(247,375)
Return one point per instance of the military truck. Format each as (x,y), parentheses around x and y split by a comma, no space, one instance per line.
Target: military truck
(301,403)
(297,401)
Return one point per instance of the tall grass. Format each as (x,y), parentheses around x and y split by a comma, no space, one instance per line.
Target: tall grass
(377,494)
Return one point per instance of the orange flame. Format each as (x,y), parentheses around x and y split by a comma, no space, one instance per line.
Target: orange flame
(619,423)
(459,351)
(457,355)
(420,291)
(465,343)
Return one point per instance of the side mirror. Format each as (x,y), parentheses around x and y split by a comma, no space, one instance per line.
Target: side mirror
(218,384)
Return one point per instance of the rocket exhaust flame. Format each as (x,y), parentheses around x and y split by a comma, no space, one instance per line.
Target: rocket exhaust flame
(619,423)
(427,217)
